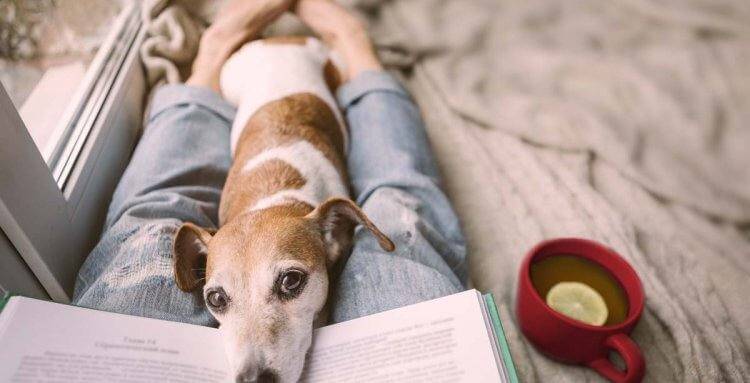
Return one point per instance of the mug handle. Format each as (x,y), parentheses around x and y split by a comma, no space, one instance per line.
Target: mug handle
(635,367)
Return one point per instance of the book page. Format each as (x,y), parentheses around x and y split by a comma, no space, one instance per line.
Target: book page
(46,342)
(443,340)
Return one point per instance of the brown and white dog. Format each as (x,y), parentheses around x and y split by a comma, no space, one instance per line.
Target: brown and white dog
(285,216)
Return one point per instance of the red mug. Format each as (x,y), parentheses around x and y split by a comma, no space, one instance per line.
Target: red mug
(569,340)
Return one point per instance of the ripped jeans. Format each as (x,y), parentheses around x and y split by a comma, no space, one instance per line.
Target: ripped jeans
(177,173)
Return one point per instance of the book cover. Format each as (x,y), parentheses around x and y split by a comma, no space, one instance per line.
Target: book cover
(4,300)
(502,340)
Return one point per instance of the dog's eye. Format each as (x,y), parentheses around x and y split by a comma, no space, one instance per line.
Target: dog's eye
(217,299)
(292,280)
(290,283)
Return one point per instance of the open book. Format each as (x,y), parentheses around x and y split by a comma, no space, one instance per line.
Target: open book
(457,338)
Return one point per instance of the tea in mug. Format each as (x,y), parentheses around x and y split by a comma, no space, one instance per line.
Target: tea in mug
(552,270)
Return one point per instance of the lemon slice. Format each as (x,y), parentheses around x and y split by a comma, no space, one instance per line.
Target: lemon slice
(578,301)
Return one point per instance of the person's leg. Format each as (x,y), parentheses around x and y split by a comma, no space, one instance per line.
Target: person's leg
(176,175)
(394,178)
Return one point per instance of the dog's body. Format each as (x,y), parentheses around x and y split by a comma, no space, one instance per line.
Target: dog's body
(285,216)
(288,137)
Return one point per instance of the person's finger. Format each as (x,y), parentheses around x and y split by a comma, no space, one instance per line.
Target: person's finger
(249,17)
(327,18)
(241,14)
(240,21)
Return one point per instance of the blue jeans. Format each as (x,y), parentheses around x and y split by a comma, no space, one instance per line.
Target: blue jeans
(177,173)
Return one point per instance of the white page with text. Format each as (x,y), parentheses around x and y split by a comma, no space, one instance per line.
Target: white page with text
(443,340)
(46,342)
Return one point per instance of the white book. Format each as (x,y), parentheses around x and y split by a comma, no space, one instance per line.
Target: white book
(457,338)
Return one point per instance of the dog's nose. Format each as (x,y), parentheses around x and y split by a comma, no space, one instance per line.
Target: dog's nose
(267,376)
(253,376)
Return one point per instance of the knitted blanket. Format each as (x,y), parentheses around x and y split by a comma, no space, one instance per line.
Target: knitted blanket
(623,121)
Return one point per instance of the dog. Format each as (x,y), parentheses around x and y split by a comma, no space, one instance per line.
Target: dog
(285,215)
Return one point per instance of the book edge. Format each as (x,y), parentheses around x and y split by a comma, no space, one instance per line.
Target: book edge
(501,340)
(6,312)
(489,326)
(4,300)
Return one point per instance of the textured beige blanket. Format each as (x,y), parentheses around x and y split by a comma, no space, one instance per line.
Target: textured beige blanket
(624,121)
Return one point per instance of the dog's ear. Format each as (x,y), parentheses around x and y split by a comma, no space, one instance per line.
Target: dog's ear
(336,219)
(189,252)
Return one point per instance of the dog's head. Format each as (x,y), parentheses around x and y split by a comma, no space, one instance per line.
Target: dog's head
(265,278)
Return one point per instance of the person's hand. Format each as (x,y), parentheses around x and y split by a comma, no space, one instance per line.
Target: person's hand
(343,32)
(236,23)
